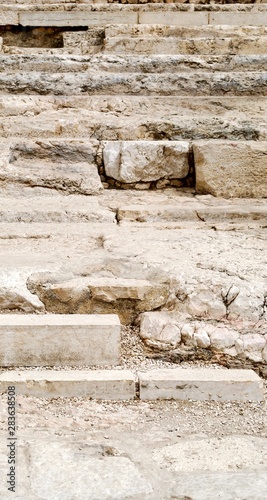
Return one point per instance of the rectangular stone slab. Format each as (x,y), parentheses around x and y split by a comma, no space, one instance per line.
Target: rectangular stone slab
(201,384)
(59,339)
(96,384)
(231,168)
(71,18)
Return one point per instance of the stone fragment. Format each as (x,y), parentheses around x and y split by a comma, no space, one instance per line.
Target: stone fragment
(159,329)
(201,338)
(58,340)
(231,169)
(134,161)
(205,303)
(94,384)
(201,384)
(187,332)
(223,338)
(254,344)
(14,294)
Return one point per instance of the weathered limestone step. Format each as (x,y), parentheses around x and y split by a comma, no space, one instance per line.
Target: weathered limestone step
(201,384)
(69,167)
(183,32)
(54,209)
(91,83)
(94,384)
(99,295)
(58,340)
(133,117)
(175,213)
(184,384)
(218,46)
(231,169)
(104,14)
(157,63)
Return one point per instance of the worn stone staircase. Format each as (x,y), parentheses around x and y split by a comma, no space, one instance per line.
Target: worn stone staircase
(133,176)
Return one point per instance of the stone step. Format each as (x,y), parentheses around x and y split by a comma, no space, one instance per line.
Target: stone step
(59,340)
(45,209)
(217,46)
(160,30)
(132,117)
(95,384)
(199,83)
(75,2)
(201,384)
(175,213)
(100,295)
(198,384)
(105,14)
(217,167)
(65,64)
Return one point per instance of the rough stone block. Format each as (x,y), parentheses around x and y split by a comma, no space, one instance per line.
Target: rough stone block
(231,169)
(95,384)
(134,161)
(201,384)
(57,340)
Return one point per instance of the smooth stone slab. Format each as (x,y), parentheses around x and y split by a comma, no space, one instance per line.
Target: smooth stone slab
(174,18)
(201,384)
(59,339)
(239,18)
(231,169)
(78,470)
(95,384)
(78,18)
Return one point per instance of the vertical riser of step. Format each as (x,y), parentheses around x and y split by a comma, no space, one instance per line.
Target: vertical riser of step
(59,340)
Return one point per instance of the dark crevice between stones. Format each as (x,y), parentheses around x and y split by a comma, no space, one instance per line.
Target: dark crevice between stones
(37,37)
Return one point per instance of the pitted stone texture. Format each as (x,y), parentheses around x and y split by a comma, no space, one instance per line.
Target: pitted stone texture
(63,166)
(58,340)
(168,330)
(201,384)
(95,384)
(231,169)
(146,161)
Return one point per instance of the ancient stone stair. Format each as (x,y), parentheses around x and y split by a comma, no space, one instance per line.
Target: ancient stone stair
(166,104)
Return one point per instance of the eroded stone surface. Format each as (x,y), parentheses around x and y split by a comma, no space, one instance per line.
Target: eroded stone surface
(231,169)
(146,160)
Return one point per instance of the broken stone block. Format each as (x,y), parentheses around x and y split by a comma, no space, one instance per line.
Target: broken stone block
(146,161)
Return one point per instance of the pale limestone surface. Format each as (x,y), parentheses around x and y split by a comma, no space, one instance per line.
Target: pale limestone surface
(135,161)
(231,169)
(73,340)
(96,384)
(201,384)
